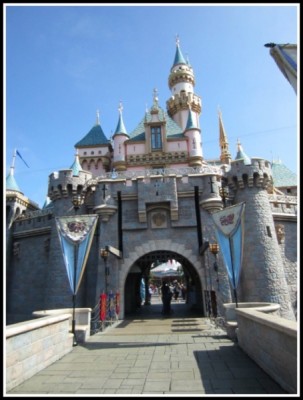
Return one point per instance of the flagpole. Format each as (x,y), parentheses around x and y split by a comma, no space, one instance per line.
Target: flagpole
(14,158)
(76,245)
(233,272)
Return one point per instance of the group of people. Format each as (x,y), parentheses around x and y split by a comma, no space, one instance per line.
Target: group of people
(168,293)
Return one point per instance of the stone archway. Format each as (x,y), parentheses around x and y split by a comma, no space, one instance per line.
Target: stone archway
(160,246)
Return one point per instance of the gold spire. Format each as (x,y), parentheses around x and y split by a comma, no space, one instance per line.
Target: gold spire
(225,156)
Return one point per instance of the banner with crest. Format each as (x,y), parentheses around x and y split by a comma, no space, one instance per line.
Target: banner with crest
(76,234)
(229,224)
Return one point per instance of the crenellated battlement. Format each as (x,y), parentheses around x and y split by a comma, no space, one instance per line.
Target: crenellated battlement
(180,102)
(64,183)
(256,174)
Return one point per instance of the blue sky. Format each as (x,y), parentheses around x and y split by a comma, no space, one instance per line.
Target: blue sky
(62,63)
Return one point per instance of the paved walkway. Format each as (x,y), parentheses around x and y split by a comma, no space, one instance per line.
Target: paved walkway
(151,355)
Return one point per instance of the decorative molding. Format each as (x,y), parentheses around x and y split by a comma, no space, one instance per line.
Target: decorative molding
(32,232)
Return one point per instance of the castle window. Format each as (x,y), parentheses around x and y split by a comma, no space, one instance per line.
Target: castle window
(92,152)
(268,231)
(156,140)
(85,153)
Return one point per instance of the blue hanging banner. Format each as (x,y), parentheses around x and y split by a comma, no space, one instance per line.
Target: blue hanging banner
(229,224)
(76,234)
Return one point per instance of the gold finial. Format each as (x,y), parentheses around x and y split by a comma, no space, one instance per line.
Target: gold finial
(177,40)
(120,107)
(98,117)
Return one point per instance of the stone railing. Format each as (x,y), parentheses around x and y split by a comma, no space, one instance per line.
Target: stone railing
(34,345)
(82,317)
(231,323)
(271,341)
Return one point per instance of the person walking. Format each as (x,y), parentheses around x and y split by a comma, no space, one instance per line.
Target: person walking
(166,298)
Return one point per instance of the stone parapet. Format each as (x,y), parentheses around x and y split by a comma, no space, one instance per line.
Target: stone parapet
(33,345)
(271,341)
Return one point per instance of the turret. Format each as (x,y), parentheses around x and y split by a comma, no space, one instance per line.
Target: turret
(181,82)
(262,277)
(16,202)
(193,133)
(119,137)
(95,150)
(65,184)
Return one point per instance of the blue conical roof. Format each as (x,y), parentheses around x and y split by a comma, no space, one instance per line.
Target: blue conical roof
(179,59)
(190,121)
(76,166)
(241,155)
(120,127)
(11,183)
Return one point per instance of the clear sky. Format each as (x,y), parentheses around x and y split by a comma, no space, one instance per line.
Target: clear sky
(64,62)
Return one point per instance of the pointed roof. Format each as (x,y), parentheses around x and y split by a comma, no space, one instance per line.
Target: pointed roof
(241,155)
(76,166)
(190,121)
(173,130)
(120,127)
(223,139)
(282,176)
(94,137)
(11,183)
(179,59)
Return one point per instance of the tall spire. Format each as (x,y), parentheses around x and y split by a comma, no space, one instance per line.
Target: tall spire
(120,126)
(179,59)
(225,156)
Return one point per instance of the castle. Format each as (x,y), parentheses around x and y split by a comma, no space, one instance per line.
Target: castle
(154,194)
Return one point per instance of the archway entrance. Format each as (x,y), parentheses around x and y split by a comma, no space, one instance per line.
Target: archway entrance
(141,272)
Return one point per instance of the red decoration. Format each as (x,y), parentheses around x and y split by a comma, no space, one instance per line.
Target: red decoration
(103,298)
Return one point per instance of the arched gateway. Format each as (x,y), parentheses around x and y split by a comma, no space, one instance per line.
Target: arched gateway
(138,266)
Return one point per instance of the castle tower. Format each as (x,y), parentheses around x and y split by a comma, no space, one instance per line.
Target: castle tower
(95,150)
(225,156)
(16,202)
(119,137)
(193,133)
(262,277)
(63,185)
(181,82)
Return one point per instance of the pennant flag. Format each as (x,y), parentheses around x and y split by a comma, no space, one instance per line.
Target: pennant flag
(18,154)
(76,234)
(230,234)
(285,56)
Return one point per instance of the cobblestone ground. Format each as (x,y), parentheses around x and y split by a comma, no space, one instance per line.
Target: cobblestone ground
(147,354)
